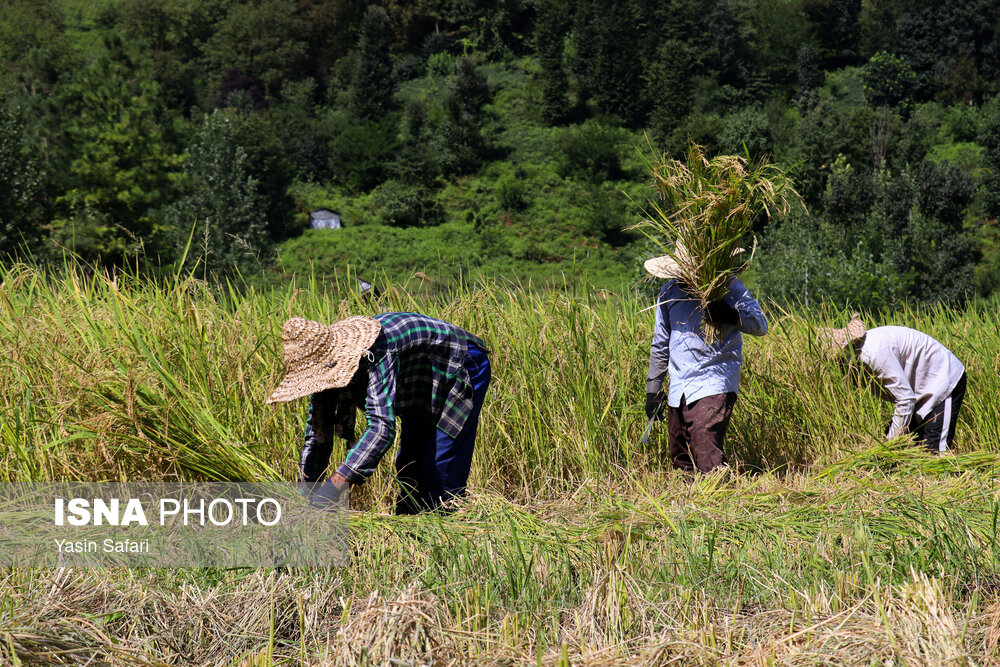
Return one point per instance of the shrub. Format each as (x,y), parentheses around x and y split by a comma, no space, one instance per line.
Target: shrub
(403,205)
(591,151)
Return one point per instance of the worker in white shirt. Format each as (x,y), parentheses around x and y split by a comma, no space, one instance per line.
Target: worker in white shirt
(919,374)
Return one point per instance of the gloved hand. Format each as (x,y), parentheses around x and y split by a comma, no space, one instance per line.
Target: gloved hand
(326,496)
(719,312)
(654,404)
(306,488)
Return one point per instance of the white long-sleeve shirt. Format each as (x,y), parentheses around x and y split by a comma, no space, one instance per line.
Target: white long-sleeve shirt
(914,369)
(696,368)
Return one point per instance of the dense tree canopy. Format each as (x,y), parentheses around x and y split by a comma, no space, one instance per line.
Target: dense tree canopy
(127,124)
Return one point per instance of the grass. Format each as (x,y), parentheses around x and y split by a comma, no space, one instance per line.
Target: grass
(577,546)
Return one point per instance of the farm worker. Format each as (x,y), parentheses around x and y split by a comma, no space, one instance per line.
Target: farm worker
(917,373)
(431,374)
(704,377)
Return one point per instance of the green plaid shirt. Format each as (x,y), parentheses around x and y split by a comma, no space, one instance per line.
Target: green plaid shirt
(418,368)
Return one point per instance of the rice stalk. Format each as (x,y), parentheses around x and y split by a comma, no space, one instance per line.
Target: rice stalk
(704,214)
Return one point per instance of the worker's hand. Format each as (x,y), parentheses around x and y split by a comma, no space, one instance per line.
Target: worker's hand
(339,481)
(719,312)
(654,404)
(328,495)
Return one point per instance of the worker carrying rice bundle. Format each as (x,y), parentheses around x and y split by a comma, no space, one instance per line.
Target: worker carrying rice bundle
(917,373)
(702,218)
(431,374)
(704,376)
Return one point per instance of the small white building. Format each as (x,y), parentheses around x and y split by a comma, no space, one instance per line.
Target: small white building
(324,219)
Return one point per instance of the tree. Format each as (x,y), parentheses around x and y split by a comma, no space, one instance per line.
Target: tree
(888,80)
(371,83)
(116,158)
(989,139)
(810,76)
(616,75)
(459,141)
(836,30)
(671,86)
(550,37)
(20,186)
(263,40)
(223,203)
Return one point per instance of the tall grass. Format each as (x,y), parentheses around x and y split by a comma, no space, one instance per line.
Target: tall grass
(576,546)
(122,378)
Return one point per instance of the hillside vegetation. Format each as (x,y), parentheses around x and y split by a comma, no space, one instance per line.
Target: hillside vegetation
(577,545)
(501,136)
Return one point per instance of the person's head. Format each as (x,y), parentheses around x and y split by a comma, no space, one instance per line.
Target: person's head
(319,357)
(843,344)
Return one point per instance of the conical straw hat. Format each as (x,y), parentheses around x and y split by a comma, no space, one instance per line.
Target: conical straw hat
(320,356)
(835,340)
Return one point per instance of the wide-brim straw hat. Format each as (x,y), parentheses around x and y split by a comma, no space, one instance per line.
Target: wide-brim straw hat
(835,340)
(667,268)
(322,356)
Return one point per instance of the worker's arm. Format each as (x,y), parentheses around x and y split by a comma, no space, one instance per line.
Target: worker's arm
(891,376)
(659,356)
(317,446)
(751,317)
(380,422)
(659,351)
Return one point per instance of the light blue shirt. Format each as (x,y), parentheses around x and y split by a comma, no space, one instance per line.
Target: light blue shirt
(696,368)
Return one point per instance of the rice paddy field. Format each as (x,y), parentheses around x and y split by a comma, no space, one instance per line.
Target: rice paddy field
(577,544)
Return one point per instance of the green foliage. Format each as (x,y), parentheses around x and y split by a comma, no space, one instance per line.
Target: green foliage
(512,192)
(459,142)
(20,186)
(989,139)
(889,81)
(262,39)
(591,151)
(222,206)
(403,205)
(611,66)
(440,64)
(361,151)
(372,81)
(550,37)
(513,117)
(671,86)
(747,132)
(883,237)
(117,162)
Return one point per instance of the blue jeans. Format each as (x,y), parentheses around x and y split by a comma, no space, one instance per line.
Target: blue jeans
(432,467)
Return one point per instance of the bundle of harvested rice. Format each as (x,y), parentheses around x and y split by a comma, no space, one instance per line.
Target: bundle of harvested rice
(704,213)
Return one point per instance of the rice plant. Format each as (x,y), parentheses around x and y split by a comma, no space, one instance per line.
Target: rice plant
(704,213)
(577,545)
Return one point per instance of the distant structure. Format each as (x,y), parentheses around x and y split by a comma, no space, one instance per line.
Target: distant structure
(324,219)
(368,291)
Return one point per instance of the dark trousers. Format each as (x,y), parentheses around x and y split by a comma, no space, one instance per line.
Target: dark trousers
(697,431)
(432,467)
(937,430)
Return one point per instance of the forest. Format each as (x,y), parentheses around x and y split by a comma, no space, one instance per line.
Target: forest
(462,140)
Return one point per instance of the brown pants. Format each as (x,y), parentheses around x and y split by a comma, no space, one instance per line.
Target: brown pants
(697,431)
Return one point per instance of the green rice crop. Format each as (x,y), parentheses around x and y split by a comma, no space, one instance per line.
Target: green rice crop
(825,545)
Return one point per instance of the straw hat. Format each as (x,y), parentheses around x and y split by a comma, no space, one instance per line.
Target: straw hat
(835,340)
(320,356)
(666,267)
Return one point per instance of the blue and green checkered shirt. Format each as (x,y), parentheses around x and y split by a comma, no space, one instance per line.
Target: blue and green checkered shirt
(418,367)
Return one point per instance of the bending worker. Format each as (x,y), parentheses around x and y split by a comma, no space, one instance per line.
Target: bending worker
(917,373)
(704,377)
(431,374)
